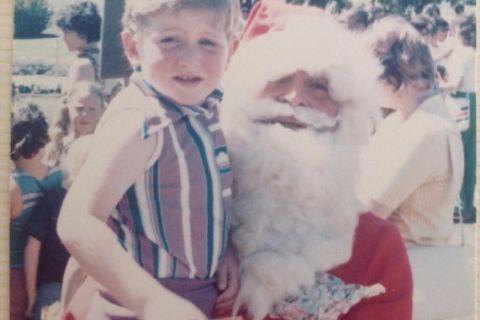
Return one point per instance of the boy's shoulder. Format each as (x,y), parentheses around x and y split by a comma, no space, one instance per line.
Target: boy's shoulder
(132,101)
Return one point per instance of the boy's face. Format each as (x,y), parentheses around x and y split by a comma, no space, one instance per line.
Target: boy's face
(84,112)
(183,55)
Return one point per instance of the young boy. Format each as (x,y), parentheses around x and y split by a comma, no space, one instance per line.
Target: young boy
(159,158)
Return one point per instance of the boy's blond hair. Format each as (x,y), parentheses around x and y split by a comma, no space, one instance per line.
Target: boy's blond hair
(137,11)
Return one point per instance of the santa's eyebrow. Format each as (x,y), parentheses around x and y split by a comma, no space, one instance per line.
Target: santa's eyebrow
(283,79)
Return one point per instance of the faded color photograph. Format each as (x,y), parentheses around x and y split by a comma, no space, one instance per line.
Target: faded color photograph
(248,160)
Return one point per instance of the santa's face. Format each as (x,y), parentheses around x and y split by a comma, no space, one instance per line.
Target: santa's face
(306,95)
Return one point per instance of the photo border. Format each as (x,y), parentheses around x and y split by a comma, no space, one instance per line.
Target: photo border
(6,46)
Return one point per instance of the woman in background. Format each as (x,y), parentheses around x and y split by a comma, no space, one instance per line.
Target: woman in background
(80,23)
(414,164)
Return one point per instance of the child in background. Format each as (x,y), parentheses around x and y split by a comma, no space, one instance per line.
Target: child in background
(29,180)
(84,107)
(45,256)
(159,158)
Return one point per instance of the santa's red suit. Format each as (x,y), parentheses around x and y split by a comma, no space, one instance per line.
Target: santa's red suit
(379,255)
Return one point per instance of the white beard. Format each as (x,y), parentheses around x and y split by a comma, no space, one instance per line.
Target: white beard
(295,209)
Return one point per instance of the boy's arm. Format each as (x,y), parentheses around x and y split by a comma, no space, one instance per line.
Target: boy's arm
(117,158)
(32,254)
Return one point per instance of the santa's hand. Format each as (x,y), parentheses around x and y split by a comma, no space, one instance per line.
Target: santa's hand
(227,281)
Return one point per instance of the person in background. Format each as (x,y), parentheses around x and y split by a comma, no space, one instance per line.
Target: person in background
(159,157)
(84,106)
(80,23)
(29,180)
(459,17)
(439,48)
(461,86)
(414,165)
(45,255)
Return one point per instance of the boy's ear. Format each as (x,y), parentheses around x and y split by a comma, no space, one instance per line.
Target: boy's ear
(130,47)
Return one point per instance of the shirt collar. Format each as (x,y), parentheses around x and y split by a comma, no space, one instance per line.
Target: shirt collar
(177,111)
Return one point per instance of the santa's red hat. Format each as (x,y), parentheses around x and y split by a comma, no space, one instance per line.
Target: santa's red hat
(269,14)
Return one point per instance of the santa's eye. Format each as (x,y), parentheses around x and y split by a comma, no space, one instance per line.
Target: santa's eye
(317,85)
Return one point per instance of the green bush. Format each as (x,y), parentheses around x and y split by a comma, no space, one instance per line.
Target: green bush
(31,18)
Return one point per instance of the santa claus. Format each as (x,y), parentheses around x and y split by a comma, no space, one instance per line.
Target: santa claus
(301,98)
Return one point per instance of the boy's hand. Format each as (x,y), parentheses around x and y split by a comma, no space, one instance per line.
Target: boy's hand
(227,282)
(29,310)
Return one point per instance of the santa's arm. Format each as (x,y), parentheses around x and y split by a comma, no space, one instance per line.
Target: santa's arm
(386,262)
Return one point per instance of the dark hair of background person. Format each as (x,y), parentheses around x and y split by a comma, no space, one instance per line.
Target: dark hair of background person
(459,9)
(468,32)
(82,18)
(404,54)
(441,24)
(424,24)
(29,131)
(432,10)
(359,20)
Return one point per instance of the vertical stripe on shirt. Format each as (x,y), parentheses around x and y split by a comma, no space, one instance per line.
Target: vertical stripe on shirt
(164,269)
(184,201)
(142,202)
(214,212)
(158,208)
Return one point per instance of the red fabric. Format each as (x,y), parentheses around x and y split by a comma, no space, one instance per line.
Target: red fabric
(268,15)
(379,255)
(18,295)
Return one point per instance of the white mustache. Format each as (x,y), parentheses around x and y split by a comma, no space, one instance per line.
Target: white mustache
(267,109)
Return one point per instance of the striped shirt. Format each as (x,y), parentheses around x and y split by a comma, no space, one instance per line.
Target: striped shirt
(173,220)
(32,190)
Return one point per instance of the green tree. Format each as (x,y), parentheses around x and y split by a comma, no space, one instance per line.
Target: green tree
(402,7)
(340,5)
(31,18)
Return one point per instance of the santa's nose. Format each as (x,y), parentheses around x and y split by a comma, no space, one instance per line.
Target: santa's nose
(294,98)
